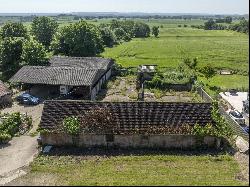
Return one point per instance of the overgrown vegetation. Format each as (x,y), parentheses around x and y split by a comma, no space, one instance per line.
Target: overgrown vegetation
(13,124)
(71,125)
(220,128)
(164,78)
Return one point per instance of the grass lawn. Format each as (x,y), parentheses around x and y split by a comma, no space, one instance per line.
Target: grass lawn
(137,170)
(226,82)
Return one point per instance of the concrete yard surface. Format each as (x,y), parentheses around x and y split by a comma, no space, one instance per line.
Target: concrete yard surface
(235,100)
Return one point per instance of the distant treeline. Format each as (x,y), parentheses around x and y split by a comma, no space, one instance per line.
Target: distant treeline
(218,18)
(242,26)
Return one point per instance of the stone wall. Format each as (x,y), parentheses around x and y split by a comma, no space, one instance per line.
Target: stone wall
(130,141)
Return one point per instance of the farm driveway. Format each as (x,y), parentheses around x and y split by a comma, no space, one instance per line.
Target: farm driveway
(17,154)
(21,150)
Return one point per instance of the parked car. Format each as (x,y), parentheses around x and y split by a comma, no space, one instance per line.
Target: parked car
(233,92)
(28,99)
(246,129)
(237,116)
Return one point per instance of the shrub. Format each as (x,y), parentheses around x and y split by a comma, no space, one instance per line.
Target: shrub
(71,125)
(162,80)
(202,131)
(4,137)
(11,124)
(220,129)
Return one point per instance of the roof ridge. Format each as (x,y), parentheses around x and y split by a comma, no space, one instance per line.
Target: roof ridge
(61,67)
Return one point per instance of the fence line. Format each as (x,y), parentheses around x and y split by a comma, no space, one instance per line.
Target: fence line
(232,123)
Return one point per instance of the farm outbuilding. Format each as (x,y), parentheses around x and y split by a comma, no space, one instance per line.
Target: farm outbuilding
(133,124)
(5,95)
(83,76)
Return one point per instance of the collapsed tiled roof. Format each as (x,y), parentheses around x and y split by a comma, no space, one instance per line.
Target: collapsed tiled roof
(71,76)
(82,62)
(126,117)
(4,90)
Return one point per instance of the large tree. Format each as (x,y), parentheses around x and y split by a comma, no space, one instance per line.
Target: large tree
(122,35)
(128,26)
(34,53)
(108,36)
(141,30)
(10,56)
(155,31)
(209,25)
(44,28)
(78,39)
(13,30)
(228,19)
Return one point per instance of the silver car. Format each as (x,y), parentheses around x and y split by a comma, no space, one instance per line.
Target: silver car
(237,116)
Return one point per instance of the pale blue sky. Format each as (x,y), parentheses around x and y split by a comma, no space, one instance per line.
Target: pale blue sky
(152,6)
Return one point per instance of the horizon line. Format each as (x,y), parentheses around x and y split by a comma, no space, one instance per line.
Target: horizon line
(132,12)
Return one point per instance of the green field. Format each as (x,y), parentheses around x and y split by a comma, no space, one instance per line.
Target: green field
(222,49)
(135,170)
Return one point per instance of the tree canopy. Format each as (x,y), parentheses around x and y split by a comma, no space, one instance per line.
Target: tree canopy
(155,31)
(79,39)
(34,53)
(10,56)
(208,71)
(141,30)
(121,34)
(108,36)
(44,28)
(13,30)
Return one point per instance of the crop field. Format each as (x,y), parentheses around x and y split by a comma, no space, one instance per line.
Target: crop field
(133,170)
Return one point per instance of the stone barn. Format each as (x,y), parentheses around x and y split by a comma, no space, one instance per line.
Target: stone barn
(5,95)
(126,125)
(64,75)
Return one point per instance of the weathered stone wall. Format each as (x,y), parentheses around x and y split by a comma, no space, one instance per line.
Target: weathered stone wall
(130,141)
